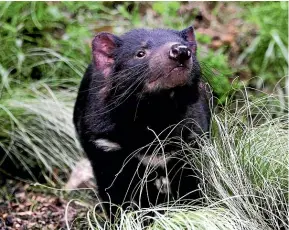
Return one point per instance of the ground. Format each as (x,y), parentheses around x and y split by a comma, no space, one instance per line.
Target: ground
(28,206)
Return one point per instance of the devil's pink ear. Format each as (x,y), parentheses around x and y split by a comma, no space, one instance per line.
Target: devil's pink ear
(103,46)
(189,35)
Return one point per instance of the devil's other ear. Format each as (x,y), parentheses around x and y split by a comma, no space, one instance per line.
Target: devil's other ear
(189,35)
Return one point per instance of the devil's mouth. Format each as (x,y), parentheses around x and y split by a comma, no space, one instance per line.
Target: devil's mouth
(178,68)
(176,76)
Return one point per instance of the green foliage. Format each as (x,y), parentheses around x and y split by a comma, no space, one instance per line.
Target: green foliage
(132,15)
(203,38)
(217,73)
(267,55)
(169,14)
(166,8)
(47,40)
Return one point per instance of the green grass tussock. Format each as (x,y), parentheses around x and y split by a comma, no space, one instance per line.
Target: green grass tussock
(39,131)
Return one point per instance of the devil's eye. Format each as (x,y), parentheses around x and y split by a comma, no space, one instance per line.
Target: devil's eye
(141,54)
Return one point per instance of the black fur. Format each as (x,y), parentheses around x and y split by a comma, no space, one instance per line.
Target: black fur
(113,103)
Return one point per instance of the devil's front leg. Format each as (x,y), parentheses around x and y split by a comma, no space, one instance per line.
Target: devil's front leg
(114,179)
(184,175)
(184,180)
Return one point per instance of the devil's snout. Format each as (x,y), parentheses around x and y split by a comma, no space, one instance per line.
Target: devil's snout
(180,53)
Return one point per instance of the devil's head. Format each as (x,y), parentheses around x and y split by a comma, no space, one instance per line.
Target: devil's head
(149,60)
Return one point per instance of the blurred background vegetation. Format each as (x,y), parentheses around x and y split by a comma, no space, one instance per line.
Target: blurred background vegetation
(45,48)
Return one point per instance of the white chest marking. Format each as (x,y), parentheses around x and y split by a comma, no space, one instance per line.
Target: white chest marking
(107,145)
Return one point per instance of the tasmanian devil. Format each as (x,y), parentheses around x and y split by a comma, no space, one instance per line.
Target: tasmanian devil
(139,100)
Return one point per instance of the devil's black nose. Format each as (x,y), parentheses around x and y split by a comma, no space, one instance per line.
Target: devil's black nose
(180,52)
